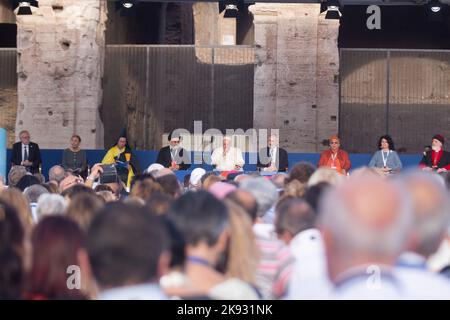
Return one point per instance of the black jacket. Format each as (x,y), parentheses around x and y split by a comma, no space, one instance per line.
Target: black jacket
(282,160)
(34,155)
(165,158)
(444,161)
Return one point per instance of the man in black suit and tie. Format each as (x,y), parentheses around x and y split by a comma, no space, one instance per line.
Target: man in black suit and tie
(173,156)
(26,153)
(273,158)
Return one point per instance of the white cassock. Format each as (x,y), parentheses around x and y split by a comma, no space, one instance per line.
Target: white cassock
(229,161)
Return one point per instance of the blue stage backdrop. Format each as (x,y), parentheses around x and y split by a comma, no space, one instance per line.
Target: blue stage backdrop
(51,157)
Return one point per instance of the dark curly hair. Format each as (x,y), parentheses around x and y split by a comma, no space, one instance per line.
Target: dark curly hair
(389,141)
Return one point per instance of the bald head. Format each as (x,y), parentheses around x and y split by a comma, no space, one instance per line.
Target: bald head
(279,180)
(365,220)
(431,211)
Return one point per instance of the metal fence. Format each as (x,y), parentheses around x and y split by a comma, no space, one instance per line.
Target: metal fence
(152,90)
(405,93)
(8,91)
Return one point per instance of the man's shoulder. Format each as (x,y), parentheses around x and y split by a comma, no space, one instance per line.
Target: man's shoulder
(264,149)
(164,149)
(33,144)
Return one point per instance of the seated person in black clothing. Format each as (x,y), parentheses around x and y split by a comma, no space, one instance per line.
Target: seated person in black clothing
(273,158)
(437,159)
(26,153)
(173,156)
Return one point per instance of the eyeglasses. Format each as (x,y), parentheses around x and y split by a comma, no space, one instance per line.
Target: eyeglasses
(175,141)
(334,142)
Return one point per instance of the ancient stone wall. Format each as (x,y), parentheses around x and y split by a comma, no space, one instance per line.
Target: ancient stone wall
(297,61)
(60,60)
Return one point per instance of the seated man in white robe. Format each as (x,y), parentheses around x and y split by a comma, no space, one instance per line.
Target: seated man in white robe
(227,158)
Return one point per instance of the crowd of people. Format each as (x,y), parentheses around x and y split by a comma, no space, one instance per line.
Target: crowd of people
(310,233)
(304,232)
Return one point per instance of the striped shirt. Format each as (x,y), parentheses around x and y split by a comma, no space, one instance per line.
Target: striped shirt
(275,265)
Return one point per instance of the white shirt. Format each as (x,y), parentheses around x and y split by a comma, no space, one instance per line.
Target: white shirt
(309,279)
(273,155)
(33,207)
(441,258)
(27,147)
(146,291)
(419,282)
(358,284)
(233,289)
(232,159)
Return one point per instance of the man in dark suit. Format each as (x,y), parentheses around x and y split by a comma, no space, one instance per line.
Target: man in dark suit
(26,153)
(437,159)
(273,158)
(173,156)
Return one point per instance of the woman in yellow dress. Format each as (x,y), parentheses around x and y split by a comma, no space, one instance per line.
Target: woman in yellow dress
(123,158)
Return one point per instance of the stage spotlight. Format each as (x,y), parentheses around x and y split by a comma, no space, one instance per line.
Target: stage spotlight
(25,7)
(127,8)
(333,10)
(231,11)
(435,6)
(128,4)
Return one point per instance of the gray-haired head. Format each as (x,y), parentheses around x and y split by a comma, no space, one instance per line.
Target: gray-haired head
(325,174)
(364,220)
(431,210)
(34,192)
(50,204)
(56,173)
(263,190)
(15,174)
(279,180)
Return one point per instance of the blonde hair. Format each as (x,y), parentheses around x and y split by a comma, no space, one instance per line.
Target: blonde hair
(20,203)
(325,175)
(210,180)
(243,254)
(366,171)
(295,189)
(83,208)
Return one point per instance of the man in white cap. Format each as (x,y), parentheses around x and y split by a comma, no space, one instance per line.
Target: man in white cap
(154,167)
(227,158)
(174,156)
(195,179)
